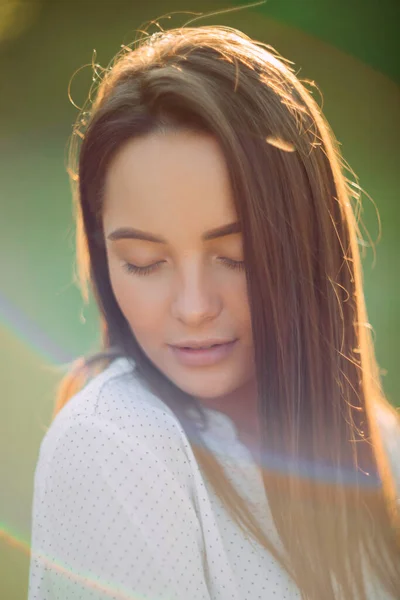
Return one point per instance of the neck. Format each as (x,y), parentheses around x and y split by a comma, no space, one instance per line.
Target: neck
(241,406)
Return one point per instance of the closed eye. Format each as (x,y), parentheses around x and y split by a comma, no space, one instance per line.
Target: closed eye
(131,268)
(236,265)
(232,264)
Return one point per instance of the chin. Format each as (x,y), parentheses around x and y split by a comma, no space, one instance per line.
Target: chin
(203,385)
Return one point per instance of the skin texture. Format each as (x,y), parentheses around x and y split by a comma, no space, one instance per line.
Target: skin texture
(175,186)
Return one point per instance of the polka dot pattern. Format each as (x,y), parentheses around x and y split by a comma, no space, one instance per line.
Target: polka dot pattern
(122,511)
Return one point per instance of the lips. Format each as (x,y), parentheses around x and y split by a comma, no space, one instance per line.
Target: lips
(202,354)
(201,345)
(198,348)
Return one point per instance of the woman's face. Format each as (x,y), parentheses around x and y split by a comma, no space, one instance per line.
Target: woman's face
(175,260)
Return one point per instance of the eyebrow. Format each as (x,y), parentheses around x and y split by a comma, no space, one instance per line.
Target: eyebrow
(129,233)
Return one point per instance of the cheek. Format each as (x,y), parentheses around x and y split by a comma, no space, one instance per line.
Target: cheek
(143,308)
(236,302)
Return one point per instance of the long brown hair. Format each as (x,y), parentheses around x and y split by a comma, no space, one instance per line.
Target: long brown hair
(317,376)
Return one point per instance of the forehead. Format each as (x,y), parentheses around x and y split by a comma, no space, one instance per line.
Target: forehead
(172,183)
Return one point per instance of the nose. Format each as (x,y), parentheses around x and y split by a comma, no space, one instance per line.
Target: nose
(196,298)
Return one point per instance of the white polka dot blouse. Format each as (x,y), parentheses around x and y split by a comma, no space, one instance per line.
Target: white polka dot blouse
(122,511)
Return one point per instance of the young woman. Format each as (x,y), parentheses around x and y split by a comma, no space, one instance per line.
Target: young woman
(233,441)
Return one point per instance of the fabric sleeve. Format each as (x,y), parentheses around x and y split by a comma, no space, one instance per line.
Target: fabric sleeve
(111,521)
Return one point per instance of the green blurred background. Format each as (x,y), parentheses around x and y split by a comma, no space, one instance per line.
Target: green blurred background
(349,49)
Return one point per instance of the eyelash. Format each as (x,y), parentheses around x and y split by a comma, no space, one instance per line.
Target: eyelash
(141,270)
(236,265)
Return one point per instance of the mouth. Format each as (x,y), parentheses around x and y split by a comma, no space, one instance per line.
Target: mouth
(203,353)
(202,345)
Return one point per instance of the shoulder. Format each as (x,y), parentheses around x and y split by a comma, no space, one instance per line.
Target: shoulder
(114,496)
(117,387)
(116,413)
